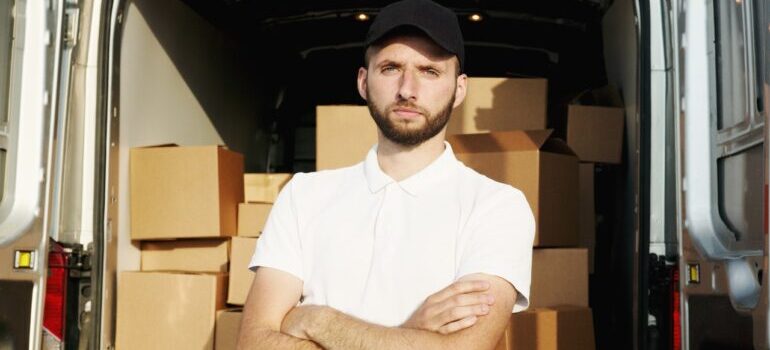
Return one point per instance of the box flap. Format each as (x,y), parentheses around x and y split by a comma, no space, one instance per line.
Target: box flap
(159,145)
(266,179)
(516,140)
(556,145)
(162,145)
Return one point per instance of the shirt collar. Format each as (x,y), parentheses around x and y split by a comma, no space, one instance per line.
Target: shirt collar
(439,168)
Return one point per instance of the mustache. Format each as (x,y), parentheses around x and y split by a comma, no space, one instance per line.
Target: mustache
(409,105)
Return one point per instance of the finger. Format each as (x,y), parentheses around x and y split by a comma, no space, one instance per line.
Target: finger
(459,313)
(471,299)
(459,287)
(458,325)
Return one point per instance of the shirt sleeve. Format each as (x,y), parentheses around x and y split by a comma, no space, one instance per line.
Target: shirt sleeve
(500,242)
(279,245)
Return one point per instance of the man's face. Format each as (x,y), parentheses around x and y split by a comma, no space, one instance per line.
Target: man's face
(411,86)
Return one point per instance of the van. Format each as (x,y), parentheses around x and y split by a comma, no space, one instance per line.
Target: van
(681,224)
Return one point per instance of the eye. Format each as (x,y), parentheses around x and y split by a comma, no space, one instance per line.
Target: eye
(389,69)
(432,72)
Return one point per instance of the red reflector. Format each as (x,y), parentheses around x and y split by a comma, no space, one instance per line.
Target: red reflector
(766,209)
(55,293)
(676,317)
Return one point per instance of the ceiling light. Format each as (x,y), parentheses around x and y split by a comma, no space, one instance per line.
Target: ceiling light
(362,17)
(475,17)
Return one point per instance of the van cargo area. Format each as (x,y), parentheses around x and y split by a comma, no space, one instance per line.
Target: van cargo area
(249,75)
(144,144)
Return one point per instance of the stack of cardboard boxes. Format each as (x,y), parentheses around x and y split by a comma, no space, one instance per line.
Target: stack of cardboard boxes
(261,191)
(183,209)
(500,131)
(595,122)
(185,204)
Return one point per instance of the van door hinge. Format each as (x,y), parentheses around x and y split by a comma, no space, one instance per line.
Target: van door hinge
(71,23)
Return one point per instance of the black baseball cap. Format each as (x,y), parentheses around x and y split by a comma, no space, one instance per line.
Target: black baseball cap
(437,22)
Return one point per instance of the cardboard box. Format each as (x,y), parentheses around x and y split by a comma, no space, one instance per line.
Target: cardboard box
(559,277)
(559,328)
(501,104)
(185,192)
(252,218)
(596,133)
(587,211)
(228,324)
(190,255)
(240,276)
(263,188)
(344,134)
(545,169)
(168,310)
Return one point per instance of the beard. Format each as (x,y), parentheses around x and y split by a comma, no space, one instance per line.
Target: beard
(402,132)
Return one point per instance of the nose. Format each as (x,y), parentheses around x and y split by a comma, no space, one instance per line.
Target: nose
(408,87)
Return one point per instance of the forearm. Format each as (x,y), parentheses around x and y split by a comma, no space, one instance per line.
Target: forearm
(339,331)
(270,339)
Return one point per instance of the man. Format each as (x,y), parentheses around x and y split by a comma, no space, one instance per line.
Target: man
(408,249)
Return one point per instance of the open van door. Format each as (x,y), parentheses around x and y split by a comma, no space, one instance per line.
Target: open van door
(32,35)
(724,168)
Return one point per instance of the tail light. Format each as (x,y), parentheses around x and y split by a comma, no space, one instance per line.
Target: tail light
(56,292)
(676,316)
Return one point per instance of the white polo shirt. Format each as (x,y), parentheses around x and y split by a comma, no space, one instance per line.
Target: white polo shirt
(375,248)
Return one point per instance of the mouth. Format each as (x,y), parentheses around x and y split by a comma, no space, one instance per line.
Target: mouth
(407,112)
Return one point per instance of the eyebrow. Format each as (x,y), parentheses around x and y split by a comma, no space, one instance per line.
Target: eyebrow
(389,62)
(430,66)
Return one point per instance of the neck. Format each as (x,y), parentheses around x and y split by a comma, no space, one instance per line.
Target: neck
(401,162)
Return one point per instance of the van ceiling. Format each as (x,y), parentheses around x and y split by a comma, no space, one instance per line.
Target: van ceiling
(557,39)
(312,25)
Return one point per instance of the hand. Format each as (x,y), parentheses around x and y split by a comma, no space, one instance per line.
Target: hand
(453,308)
(298,319)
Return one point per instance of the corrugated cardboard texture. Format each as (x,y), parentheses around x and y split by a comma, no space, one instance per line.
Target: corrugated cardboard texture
(344,134)
(167,310)
(190,255)
(230,189)
(503,140)
(228,323)
(501,104)
(184,192)
(558,196)
(263,188)
(587,216)
(252,218)
(559,277)
(240,276)
(547,179)
(596,133)
(558,328)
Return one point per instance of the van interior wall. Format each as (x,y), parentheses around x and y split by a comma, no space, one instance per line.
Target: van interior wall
(612,292)
(185,82)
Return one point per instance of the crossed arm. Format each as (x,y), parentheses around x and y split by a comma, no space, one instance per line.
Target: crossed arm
(271,319)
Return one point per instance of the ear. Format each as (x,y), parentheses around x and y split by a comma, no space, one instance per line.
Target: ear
(361,82)
(461,90)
